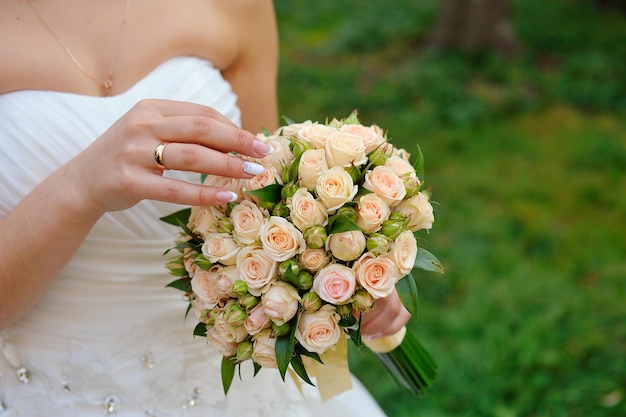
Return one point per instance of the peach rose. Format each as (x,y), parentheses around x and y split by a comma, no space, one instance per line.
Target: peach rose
(282,155)
(371,136)
(335,283)
(264,349)
(204,286)
(228,332)
(257,320)
(377,274)
(312,164)
(256,269)
(344,149)
(306,211)
(313,259)
(316,134)
(220,247)
(267,177)
(335,188)
(247,220)
(224,347)
(386,184)
(281,302)
(203,219)
(224,280)
(232,184)
(319,331)
(347,246)
(372,211)
(418,211)
(281,240)
(403,252)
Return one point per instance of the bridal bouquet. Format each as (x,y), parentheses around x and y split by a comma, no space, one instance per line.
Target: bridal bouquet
(281,276)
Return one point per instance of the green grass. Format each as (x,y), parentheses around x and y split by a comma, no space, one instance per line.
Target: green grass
(527,162)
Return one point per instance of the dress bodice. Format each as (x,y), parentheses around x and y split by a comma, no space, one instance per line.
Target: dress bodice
(108,333)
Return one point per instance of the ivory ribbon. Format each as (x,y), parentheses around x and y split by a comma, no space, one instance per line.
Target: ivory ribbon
(386,343)
(333,375)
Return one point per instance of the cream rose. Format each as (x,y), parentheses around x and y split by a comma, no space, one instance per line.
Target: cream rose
(256,269)
(220,247)
(347,246)
(316,134)
(203,219)
(403,252)
(372,211)
(418,211)
(267,177)
(264,349)
(204,286)
(247,220)
(334,188)
(344,149)
(257,320)
(401,167)
(281,302)
(319,331)
(281,240)
(232,184)
(312,164)
(228,332)
(282,155)
(371,136)
(306,211)
(313,259)
(377,274)
(386,184)
(224,280)
(226,348)
(335,283)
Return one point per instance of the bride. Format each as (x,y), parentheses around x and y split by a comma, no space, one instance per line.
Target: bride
(88,90)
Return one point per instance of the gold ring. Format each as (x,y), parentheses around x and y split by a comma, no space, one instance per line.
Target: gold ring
(158,155)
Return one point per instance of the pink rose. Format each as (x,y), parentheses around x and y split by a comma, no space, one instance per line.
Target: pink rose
(257,320)
(401,167)
(418,211)
(264,349)
(346,246)
(372,211)
(247,220)
(312,164)
(386,184)
(281,302)
(220,247)
(226,348)
(335,283)
(280,239)
(319,331)
(306,211)
(256,268)
(377,274)
(203,285)
(203,219)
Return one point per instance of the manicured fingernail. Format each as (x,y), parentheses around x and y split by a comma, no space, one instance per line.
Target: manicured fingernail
(262,148)
(374,336)
(226,196)
(252,168)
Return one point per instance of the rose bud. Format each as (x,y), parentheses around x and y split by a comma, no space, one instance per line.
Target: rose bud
(267,205)
(315,237)
(354,172)
(346,246)
(177,267)
(363,300)
(200,260)
(305,280)
(311,302)
(288,190)
(234,315)
(240,287)
(298,147)
(224,225)
(393,228)
(411,185)
(280,210)
(378,243)
(244,351)
(344,310)
(348,211)
(379,155)
(248,301)
(289,269)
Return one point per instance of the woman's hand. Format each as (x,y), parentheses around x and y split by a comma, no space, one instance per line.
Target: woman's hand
(386,318)
(118,169)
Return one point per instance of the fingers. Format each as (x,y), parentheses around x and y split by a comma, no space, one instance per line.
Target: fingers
(192,123)
(197,158)
(182,192)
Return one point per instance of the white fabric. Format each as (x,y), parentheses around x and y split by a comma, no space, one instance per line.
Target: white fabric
(108,327)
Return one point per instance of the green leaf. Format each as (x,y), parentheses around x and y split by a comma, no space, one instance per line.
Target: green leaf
(427,261)
(284,352)
(257,367)
(228,373)
(298,367)
(266,132)
(200,330)
(269,193)
(407,289)
(353,119)
(341,223)
(287,120)
(300,350)
(182,284)
(293,169)
(419,164)
(177,218)
(189,306)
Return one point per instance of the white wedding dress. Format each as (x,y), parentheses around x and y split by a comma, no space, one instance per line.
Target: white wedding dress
(109,338)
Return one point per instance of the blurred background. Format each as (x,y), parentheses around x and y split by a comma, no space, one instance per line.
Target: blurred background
(519,107)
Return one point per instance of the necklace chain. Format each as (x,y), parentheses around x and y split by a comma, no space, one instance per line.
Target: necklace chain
(107,84)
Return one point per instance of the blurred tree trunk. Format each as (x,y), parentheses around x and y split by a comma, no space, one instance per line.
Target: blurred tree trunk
(474,26)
